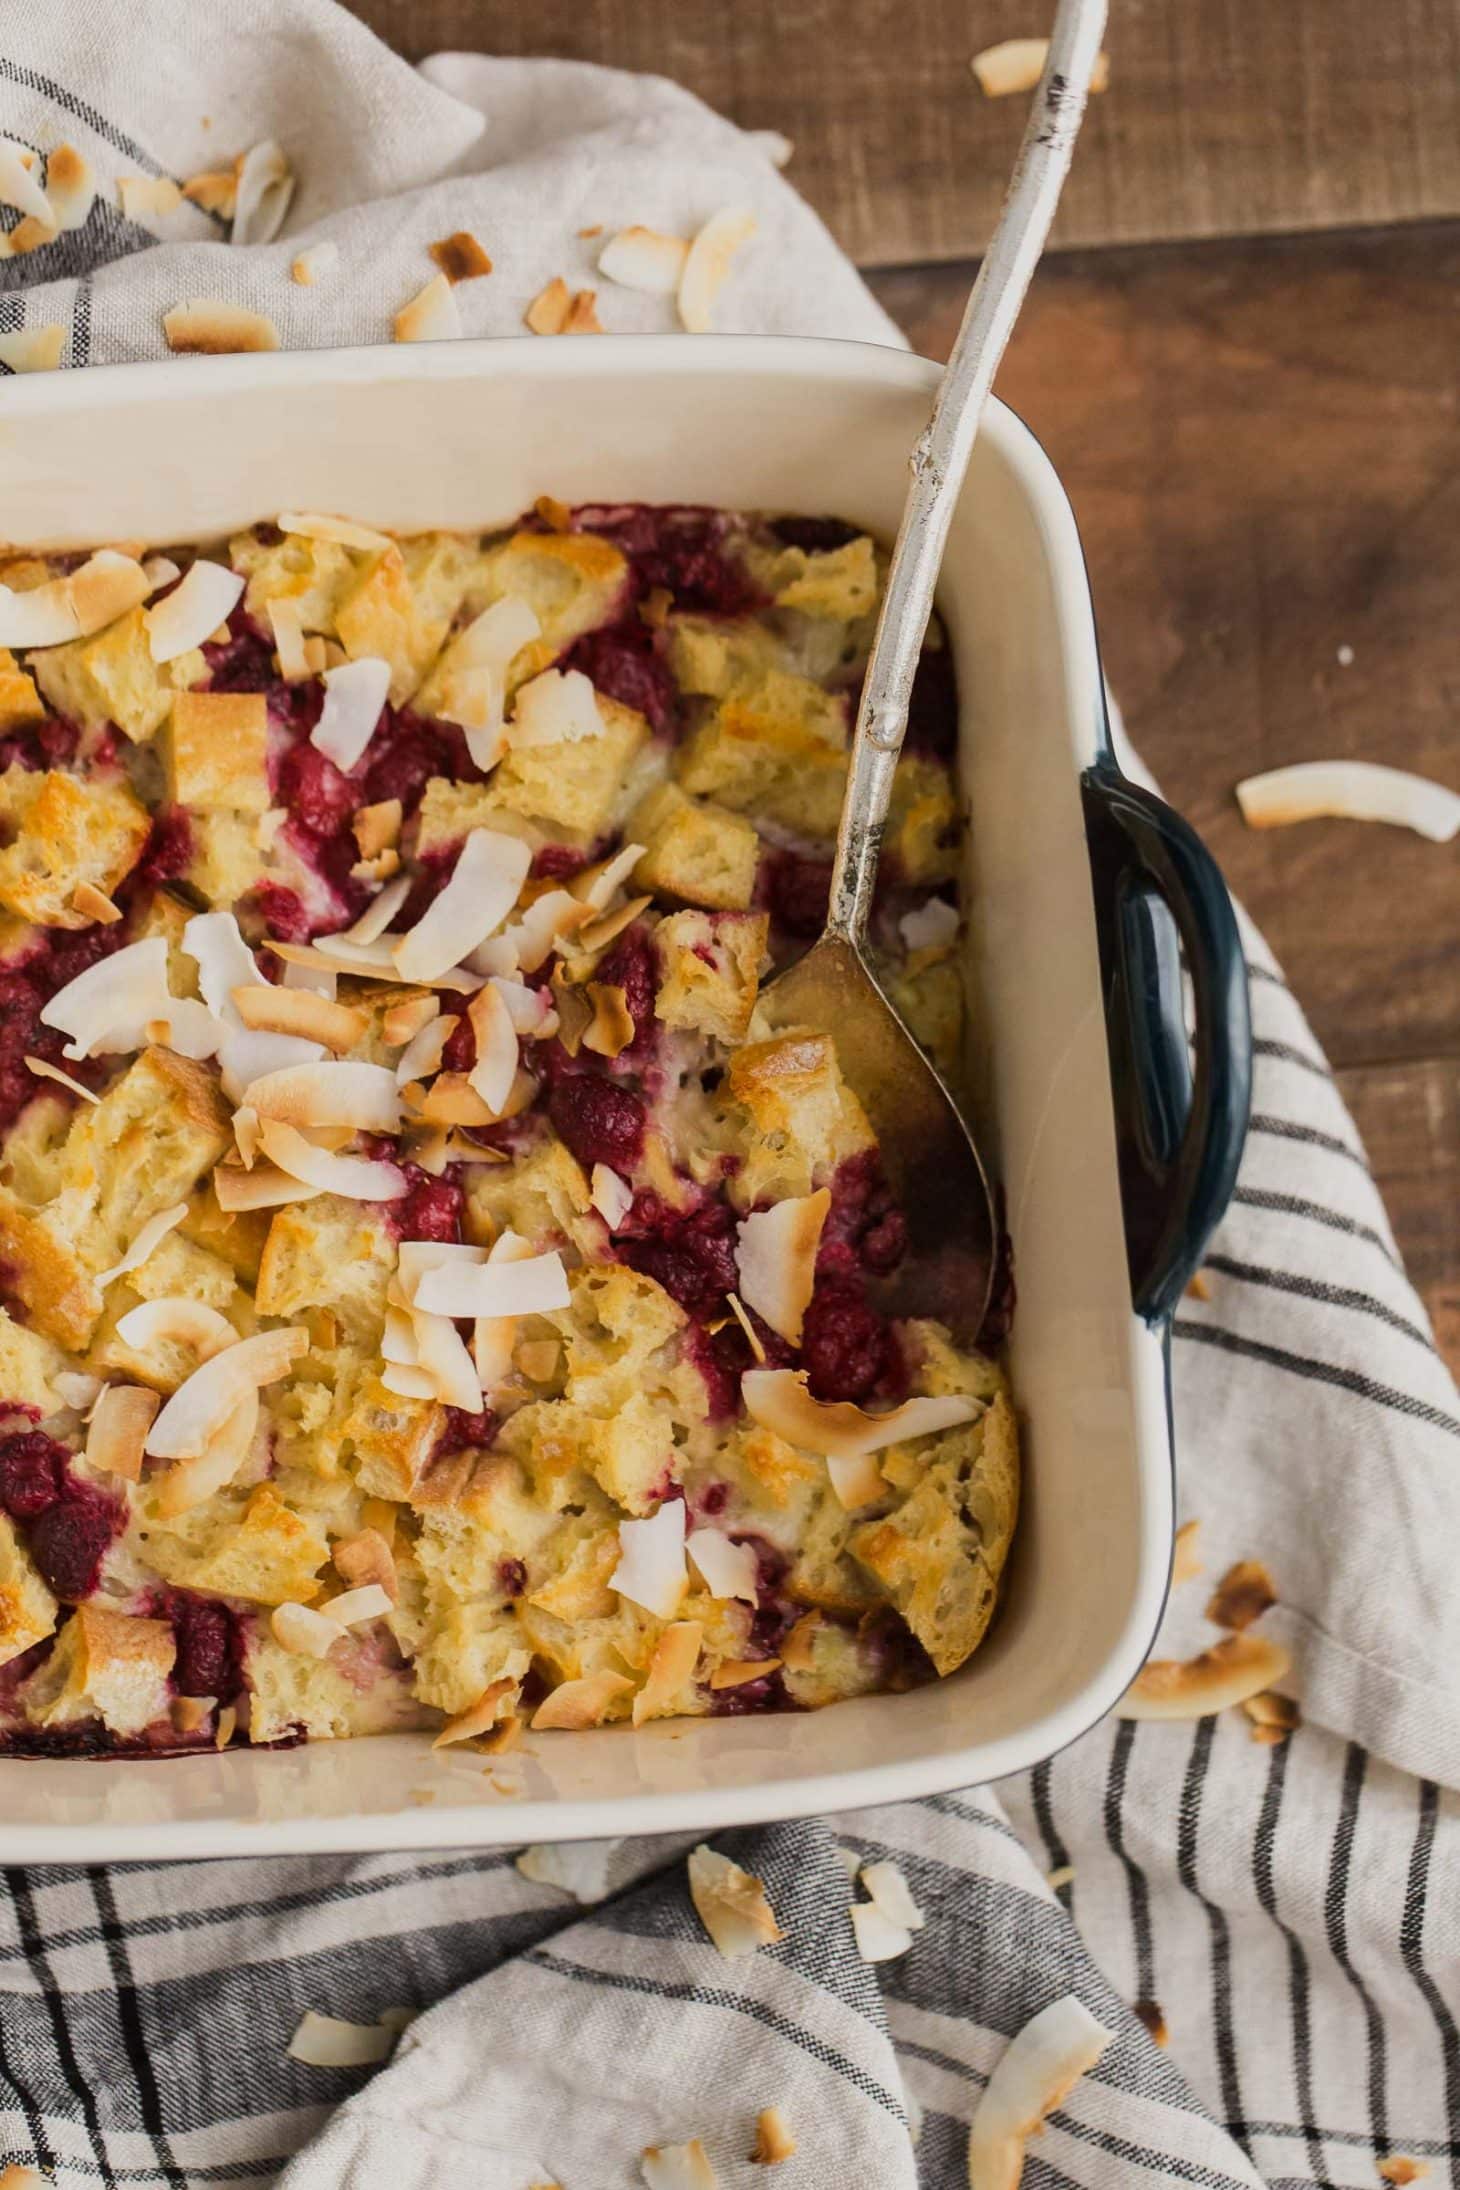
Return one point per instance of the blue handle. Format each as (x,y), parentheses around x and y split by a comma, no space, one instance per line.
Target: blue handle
(1179,1131)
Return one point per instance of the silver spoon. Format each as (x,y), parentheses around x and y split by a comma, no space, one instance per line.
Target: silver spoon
(927,1150)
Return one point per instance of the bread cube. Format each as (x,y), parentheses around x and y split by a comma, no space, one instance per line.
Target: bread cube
(27,1608)
(920,844)
(616,1324)
(224,861)
(105,1665)
(778,752)
(143,1147)
(237,1238)
(72,832)
(794,1115)
(711,654)
(931,1001)
(112,678)
(835,1659)
(465,1648)
(310,573)
(47,1274)
(695,852)
(543,1194)
(823,1573)
(28,1362)
(578,790)
(329,1253)
(449,572)
(179,1269)
(20,703)
(376,613)
(620,1642)
(572,581)
(251,1545)
(938,1556)
(391,1439)
(710,971)
(450,811)
(467,1541)
(217,752)
(352,1691)
(837,584)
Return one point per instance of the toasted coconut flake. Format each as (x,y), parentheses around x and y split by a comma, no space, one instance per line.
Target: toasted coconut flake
(377,828)
(1243,1594)
(707,264)
(1272,1715)
(1350,790)
(343,531)
(287,623)
(578,1867)
(879,1939)
(95,905)
(117,1433)
(314,1096)
(449,1100)
(214,191)
(227,1725)
(496,1046)
(189,1715)
(309,1634)
(354,697)
(612,1196)
(408,1383)
(264,1187)
(1198,1286)
(1149,2012)
(1398,2168)
(432,314)
(538,1359)
(460,257)
(153,1232)
(484,886)
(366,1558)
(443,1356)
(16,2177)
(582,316)
(576,1704)
(890,1890)
(404,1021)
(492,1706)
(76,1388)
(676,1654)
(776,1259)
(202,1404)
(188,1482)
(70,187)
(856,1482)
(611,1029)
(1036,2073)
(146,197)
(727,1569)
(529,1009)
(1195,1688)
(532,1286)
(651,1570)
(208,326)
(315,263)
(19,184)
(557,708)
(930,926)
(739,1672)
(597,885)
(678,2167)
(643,259)
(773,2139)
(72,607)
(44,1070)
(272,1010)
(357,1607)
(355,1178)
(548,312)
(752,1336)
(1016,64)
(326,2041)
(203,599)
(778,1400)
(595,935)
(33,349)
(1063,1874)
(731,1904)
(1185,1562)
(370,928)
(265,187)
(175,1321)
(423,1053)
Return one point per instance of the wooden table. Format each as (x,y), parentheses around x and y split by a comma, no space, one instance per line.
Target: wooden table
(1257,429)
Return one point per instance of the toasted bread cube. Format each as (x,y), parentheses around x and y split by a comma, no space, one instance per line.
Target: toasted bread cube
(775,749)
(143,1147)
(224,861)
(572,581)
(310,573)
(466,1648)
(631,1456)
(377,614)
(392,1439)
(217,752)
(922,821)
(329,1253)
(259,1549)
(939,1555)
(28,1362)
(352,1691)
(543,1194)
(106,1665)
(72,832)
(796,1117)
(47,1274)
(112,678)
(237,1238)
(710,971)
(450,811)
(20,702)
(449,571)
(837,584)
(27,1608)
(179,1269)
(840,1660)
(710,654)
(466,1540)
(695,852)
(582,789)
(574,1567)
(823,1573)
(616,1324)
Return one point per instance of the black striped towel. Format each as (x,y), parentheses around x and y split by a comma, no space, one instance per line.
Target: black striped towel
(1289,1915)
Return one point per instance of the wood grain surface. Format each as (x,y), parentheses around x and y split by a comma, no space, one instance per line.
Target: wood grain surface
(1223,117)
(1259,439)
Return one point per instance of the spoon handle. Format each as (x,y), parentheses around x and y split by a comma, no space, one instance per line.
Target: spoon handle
(940,458)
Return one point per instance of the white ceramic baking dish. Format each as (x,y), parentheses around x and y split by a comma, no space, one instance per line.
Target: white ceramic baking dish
(1115,1166)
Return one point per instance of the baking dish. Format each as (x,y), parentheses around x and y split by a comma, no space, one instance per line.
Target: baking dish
(1116,1157)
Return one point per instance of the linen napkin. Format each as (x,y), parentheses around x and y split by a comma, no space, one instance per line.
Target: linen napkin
(1283,1918)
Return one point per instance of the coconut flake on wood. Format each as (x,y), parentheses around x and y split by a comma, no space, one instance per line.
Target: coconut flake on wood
(203,598)
(1016,64)
(1035,2074)
(1349,790)
(484,886)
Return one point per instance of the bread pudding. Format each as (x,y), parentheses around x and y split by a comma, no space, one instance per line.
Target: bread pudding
(434,1295)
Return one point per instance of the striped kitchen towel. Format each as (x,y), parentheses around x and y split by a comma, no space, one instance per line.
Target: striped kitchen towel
(1270,1933)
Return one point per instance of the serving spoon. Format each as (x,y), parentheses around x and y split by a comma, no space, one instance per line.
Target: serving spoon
(928,1152)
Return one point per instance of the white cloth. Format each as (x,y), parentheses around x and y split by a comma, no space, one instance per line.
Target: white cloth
(1292,1910)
